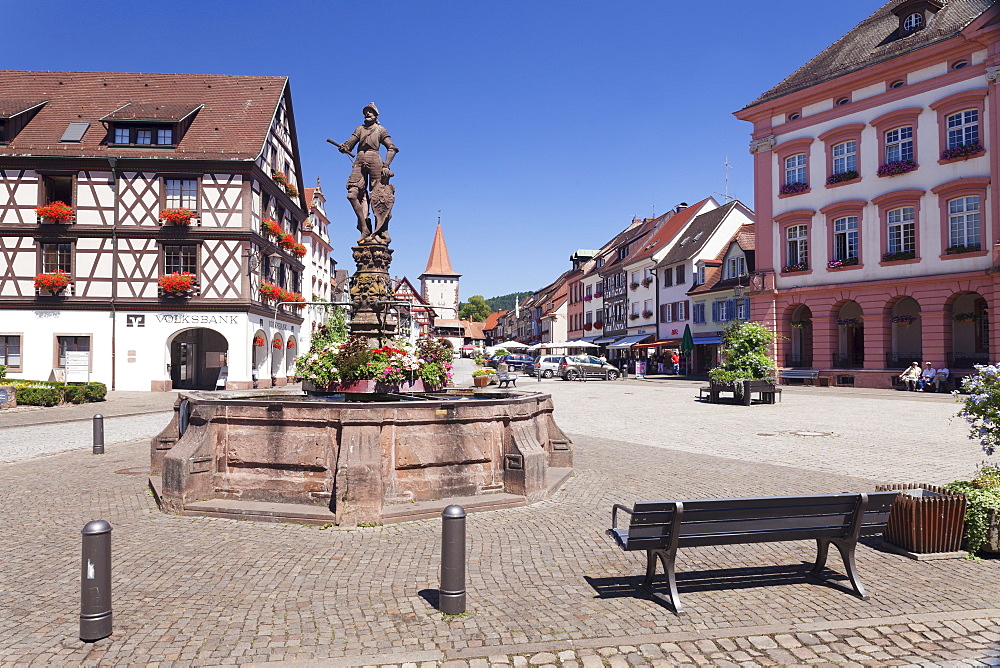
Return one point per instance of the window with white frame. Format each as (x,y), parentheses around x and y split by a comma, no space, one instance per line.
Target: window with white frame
(681,310)
(899,144)
(698,313)
(963,128)
(743,308)
(845,238)
(736,267)
(795,169)
(635,277)
(901,230)
(10,351)
(845,157)
(180,193)
(723,310)
(798,244)
(963,221)
(700,280)
(666,313)
(647,306)
(635,308)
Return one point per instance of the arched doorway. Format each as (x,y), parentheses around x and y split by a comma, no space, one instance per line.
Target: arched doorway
(197,358)
(277,358)
(850,337)
(260,347)
(291,352)
(907,334)
(970,331)
(801,337)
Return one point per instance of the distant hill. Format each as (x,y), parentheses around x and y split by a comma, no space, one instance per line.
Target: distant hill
(506,302)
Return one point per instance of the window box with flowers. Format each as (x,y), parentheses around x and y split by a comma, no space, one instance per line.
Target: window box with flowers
(634,286)
(903,319)
(647,314)
(849,322)
(967,317)
(177,284)
(180,217)
(792,268)
(843,177)
(896,167)
(956,250)
(588,298)
(598,294)
(799,324)
(279,178)
(258,342)
(56,212)
(291,190)
(271,227)
(55,282)
(796,188)
(276,343)
(587,326)
(598,325)
(298,250)
(291,344)
(646,282)
(286,241)
(899,256)
(634,316)
(846,262)
(298,300)
(963,152)
(272,292)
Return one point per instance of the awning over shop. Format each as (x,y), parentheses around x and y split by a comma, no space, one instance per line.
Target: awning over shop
(656,344)
(606,339)
(705,340)
(629,341)
(592,339)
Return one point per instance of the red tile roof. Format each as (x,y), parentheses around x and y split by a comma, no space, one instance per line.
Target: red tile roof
(232,125)
(668,229)
(493,319)
(439,264)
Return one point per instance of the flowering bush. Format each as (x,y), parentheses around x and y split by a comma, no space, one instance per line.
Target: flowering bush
(801,266)
(57,212)
(846,262)
(849,175)
(745,354)
(904,319)
(329,361)
(258,342)
(896,167)
(848,322)
(298,250)
(276,343)
(793,188)
(647,314)
(273,292)
(177,283)
(271,227)
(286,241)
(177,216)
(963,151)
(959,248)
(55,281)
(898,255)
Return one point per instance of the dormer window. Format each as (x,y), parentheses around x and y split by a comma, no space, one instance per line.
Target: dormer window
(149,125)
(913,22)
(14,115)
(915,15)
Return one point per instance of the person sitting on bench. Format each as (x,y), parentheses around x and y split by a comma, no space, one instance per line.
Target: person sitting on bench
(911,376)
(926,376)
(941,378)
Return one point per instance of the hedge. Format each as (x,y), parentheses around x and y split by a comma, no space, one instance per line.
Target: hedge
(50,393)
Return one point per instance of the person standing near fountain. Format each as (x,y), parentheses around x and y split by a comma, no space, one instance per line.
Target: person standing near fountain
(368,184)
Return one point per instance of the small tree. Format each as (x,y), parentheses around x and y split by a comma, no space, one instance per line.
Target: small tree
(476,309)
(745,354)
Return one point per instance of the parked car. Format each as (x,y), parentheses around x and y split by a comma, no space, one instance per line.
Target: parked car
(571,366)
(546,365)
(514,362)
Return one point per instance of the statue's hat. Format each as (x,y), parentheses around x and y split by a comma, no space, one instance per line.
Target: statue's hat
(371,105)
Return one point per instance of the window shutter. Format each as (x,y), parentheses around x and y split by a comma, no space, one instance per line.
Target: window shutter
(730,309)
(715,311)
(685,310)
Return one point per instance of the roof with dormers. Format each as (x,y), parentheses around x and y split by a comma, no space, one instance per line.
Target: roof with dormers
(660,238)
(439,264)
(699,232)
(875,40)
(745,238)
(232,115)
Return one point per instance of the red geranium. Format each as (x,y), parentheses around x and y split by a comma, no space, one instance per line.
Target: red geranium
(291,344)
(57,212)
(55,281)
(291,190)
(258,342)
(598,325)
(177,283)
(299,300)
(299,250)
(271,226)
(177,216)
(279,177)
(286,241)
(276,343)
(272,291)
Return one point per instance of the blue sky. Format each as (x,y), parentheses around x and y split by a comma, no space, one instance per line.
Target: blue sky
(535,128)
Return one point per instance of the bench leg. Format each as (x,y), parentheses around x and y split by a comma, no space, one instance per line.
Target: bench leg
(673,598)
(846,549)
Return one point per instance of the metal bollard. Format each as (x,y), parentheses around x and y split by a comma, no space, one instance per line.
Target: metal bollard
(98,434)
(95,582)
(451,596)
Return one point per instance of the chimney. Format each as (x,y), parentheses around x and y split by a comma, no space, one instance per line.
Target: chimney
(680,207)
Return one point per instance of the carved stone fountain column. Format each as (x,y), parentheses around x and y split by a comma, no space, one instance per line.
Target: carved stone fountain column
(371,289)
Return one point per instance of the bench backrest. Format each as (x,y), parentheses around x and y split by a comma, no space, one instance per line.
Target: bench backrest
(755,520)
(797,373)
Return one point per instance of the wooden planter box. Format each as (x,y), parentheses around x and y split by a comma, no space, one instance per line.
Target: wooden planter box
(925,519)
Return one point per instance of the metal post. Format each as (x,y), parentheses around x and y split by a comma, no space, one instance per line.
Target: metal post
(98,434)
(451,599)
(95,582)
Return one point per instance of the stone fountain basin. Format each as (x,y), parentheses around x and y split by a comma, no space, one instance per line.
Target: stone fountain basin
(354,462)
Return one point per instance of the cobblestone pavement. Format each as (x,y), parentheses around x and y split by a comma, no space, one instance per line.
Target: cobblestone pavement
(546,586)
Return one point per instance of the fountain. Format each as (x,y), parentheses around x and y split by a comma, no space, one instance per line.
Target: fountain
(359,450)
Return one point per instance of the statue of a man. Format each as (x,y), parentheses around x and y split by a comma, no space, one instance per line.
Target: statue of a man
(368,184)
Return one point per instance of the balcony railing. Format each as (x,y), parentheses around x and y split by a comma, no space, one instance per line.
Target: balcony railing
(798,361)
(901,360)
(967,360)
(852,361)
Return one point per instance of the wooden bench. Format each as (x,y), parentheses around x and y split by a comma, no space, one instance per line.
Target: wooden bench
(812,375)
(661,527)
(505,379)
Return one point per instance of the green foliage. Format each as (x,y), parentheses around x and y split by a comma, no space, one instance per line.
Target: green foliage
(981,406)
(476,309)
(3,371)
(483,372)
(329,361)
(50,393)
(982,493)
(499,352)
(38,396)
(505,302)
(746,348)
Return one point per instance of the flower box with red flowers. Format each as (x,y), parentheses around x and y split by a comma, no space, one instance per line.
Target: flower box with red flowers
(183,217)
(279,178)
(177,284)
(646,282)
(54,282)
(299,300)
(271,227)
(258,342)
(56,212)
(291,190)
(598,325)
(286,241)
(276,343)
(587,326)
(272,292)
(298,250)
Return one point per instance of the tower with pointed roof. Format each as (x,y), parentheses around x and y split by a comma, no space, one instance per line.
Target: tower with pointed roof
(439,282)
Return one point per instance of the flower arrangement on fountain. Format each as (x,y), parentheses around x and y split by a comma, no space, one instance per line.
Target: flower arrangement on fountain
(330,363)
(56,212)
(181,217)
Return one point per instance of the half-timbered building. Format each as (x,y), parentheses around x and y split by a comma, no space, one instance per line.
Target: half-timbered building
(123,152)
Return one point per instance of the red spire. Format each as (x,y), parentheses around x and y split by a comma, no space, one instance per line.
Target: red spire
(439,263)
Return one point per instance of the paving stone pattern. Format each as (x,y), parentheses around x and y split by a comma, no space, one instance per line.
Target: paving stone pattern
(546,586)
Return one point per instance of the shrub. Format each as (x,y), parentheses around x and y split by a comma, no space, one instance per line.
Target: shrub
(746,355)
(981,494)
(38,396)
(96,391)
(3,372)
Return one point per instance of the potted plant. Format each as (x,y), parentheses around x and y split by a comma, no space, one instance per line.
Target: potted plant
(633,316)
(647,314)
(634,286)
(298,250)
(745,357)
(271,227)
(291,344)
(963,151)
(299,300)
(286,241)
(896,167)
(182,217)
(849,175)
(793,188)
(598,325)
(279,178)
(258,341)
(484,377)
(272,292)
(55,212)
(291,190)
(178,283)
(55,282)
(276,342)
(647,281)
